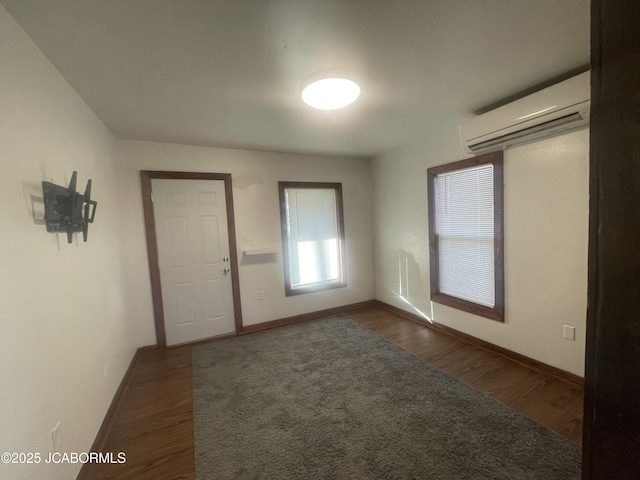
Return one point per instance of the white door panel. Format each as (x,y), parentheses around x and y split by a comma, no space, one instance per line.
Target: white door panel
(193,244)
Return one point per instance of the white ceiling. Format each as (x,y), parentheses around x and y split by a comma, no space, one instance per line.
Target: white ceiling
(228,72)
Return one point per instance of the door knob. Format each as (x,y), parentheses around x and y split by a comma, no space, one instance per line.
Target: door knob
(226,270)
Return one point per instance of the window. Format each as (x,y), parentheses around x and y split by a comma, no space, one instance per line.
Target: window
(466,235)
(312,236)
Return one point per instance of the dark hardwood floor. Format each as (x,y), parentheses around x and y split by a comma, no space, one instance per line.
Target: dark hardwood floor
(555,403)
(154,426)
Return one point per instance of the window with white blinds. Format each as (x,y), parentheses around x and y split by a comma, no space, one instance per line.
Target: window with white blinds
(465,222)
(464,226)
(312,236)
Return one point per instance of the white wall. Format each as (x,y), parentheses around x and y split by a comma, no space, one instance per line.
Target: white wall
(255,177)
(65,337)
(546,233)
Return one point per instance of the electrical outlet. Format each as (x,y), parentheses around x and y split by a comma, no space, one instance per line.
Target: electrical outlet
(260,294)
(569,332)
(56,437)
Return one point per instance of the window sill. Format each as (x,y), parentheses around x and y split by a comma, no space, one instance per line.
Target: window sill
(318,287)
(496,313)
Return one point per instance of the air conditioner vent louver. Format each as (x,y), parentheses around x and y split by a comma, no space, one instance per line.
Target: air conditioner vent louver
(542,130)
(559,108)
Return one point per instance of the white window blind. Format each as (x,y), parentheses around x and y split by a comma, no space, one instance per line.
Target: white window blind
(465,230)
(313,235)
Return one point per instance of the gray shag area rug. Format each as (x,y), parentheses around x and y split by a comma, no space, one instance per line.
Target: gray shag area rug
(330,399)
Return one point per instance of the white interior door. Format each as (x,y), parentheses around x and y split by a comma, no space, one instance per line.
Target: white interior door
(193,256)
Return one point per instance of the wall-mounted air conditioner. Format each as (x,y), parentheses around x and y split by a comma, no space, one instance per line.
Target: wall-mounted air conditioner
(558,108)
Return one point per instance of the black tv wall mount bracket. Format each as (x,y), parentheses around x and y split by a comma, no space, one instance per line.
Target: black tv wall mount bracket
(66,210)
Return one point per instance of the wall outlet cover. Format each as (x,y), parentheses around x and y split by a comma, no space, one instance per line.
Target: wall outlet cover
(568,332)
(56,437)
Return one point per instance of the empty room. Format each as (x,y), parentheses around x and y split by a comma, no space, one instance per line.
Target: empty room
(319,239)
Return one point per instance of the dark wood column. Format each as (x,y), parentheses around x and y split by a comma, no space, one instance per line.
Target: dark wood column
(612,381)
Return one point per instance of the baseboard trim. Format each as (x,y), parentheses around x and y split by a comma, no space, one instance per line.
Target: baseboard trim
(100,441)
(306,316)
(195,343)
(511,355)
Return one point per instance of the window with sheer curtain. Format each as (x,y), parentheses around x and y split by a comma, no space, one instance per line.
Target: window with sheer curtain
(466,235)
(312,236)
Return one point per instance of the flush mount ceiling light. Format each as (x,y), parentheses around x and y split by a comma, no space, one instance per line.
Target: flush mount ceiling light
(331,93)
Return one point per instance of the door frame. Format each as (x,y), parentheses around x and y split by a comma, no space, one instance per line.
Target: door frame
(152,243)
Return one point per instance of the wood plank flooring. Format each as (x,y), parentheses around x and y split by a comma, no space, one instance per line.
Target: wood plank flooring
(154,425)
(550,401)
